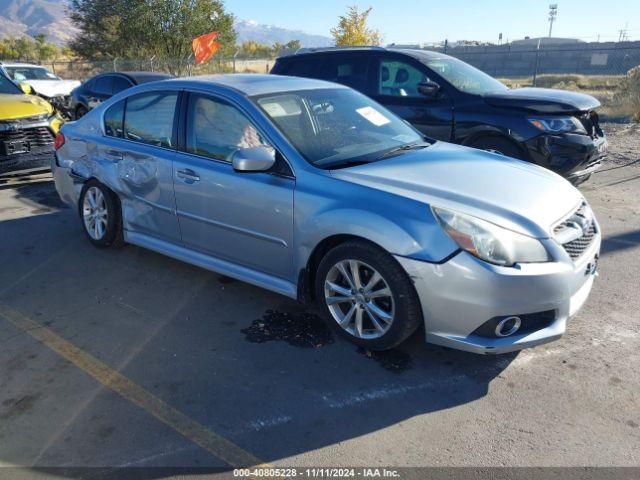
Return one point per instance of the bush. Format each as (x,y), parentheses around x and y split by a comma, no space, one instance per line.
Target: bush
(628,94)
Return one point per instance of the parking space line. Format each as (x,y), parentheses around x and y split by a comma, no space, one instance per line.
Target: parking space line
(217,445)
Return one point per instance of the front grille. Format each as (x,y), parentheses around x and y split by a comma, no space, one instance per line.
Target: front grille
(591,123)
(577,247)
(580,222)
(29,141)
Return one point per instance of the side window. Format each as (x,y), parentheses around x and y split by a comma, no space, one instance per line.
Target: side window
(216,129)
(399,79)
(304,67)
(103,85)
(120,84)
(113,118)
(349,71)
(149,118)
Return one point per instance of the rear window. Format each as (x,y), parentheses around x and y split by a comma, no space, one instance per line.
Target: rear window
(120,84)
(149,118)
(103,85)
(304,67)
(349,71)
(113,118)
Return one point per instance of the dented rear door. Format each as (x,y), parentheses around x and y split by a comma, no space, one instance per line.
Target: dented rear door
(144,158)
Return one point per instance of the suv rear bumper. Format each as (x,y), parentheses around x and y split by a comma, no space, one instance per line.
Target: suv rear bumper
(464,293)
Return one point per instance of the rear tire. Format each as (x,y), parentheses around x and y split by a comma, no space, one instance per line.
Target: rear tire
(377,307)
(498,145)
(100,215)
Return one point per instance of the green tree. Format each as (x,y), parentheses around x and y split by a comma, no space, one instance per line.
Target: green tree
(142,28)
(175,23)
(352,29)
(109,28)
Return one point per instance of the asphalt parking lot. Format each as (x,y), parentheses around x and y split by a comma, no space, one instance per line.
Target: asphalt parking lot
(128,358)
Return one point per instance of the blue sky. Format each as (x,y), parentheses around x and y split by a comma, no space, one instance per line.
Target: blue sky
(414,21)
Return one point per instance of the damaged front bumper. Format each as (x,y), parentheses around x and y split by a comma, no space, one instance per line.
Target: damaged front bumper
(574,156)
(464,295)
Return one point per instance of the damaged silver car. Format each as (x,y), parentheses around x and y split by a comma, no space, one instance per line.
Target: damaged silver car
(314,191)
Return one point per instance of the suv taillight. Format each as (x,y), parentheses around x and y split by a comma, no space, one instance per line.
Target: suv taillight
(59,141)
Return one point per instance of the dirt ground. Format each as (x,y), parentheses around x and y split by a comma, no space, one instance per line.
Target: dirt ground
(126,358)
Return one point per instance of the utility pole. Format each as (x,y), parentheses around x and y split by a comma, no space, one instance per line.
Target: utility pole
(553,13)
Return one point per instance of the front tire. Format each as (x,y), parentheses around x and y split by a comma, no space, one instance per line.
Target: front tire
(366,296)
(100,215)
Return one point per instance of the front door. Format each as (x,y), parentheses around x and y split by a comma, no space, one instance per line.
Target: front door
(244,218)
(397,89)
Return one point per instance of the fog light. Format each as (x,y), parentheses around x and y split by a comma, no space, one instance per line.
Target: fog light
(508,326)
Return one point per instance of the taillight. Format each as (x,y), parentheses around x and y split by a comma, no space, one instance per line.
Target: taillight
(59,141)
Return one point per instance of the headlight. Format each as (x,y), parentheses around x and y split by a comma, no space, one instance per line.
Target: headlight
(559,124)
(488,241)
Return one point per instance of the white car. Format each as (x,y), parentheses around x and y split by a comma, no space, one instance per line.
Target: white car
(42,81)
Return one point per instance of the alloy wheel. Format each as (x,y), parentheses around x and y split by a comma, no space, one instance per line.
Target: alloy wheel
(95,213)
(359,299)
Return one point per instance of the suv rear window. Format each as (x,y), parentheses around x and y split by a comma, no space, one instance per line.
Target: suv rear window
(304,67)
(349,71)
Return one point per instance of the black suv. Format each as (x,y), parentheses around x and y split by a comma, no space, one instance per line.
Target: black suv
(450,100)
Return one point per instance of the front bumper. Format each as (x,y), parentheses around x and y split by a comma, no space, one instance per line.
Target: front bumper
(25,163)
(463,293)
(35,138)
(571,155)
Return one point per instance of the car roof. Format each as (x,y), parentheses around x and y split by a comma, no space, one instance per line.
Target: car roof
(413,52)
(254,84)
(142,77)
(12,64)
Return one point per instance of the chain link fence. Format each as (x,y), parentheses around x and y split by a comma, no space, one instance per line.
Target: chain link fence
(599,69)
(82,70)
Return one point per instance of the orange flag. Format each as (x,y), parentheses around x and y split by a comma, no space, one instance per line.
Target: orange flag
(205,47)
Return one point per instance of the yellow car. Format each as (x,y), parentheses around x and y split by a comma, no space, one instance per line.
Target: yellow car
(28,126)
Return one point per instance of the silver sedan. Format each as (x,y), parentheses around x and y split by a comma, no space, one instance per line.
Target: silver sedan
(314,191)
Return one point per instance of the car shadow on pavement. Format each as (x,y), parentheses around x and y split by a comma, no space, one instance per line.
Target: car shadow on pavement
(254,367)
(623,241)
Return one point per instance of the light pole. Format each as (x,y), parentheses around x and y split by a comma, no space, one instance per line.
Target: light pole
(553,13)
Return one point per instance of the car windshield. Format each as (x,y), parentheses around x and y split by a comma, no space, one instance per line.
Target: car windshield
(7,86)
(463,76)
(337,127)
(20,74)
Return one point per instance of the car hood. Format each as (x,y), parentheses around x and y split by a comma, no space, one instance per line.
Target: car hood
(543,100)
(53,88)
(14,106)
(513,194)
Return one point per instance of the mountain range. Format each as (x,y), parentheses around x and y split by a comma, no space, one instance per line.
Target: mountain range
(50,17)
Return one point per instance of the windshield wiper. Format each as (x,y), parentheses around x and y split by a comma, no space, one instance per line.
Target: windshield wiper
(403,148)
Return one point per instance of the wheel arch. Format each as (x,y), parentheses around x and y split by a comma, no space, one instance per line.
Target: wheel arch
(307,274)
(492,133)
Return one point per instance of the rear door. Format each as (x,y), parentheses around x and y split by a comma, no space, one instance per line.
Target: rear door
(396,79)
(243,218)
(143,142)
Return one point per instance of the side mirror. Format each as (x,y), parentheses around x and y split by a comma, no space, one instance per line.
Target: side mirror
(429,89)
(254,159)
(26,88)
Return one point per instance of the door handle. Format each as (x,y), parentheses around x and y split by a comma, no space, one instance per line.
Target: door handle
(187,175)
(114,155)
